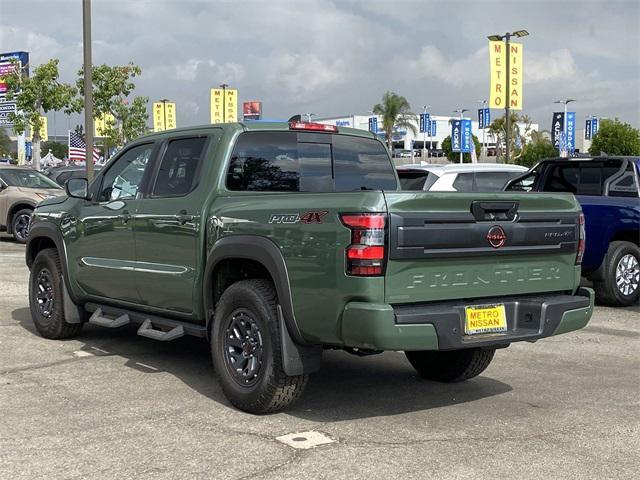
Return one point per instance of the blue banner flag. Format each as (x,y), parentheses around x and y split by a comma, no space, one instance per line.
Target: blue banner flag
(456,136)
(587,130)
(487,118)
(434,128)
(571,131)
(594,127)
(467,140)
(481,118)
(424,122)
(373,124)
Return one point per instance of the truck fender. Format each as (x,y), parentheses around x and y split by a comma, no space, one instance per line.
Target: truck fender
(298,356)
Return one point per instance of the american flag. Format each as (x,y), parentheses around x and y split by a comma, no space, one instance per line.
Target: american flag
(77,149)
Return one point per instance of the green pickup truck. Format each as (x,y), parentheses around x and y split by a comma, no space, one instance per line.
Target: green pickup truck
(275,241)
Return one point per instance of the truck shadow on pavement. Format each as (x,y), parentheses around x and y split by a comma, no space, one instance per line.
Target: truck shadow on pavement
(346,388)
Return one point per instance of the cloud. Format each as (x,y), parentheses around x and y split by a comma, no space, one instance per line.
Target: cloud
(556,64)
(433,63)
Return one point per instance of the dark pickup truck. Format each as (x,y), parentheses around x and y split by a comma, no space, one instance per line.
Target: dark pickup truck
(607,189)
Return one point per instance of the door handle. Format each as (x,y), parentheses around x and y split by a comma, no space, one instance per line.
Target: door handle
(183,217)
(124,216)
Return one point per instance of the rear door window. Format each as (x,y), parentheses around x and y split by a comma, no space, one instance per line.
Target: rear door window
(625,185)
(280,162)
(177,173)
(413,179)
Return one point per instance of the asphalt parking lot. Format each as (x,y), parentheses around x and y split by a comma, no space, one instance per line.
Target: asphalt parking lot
(111,404)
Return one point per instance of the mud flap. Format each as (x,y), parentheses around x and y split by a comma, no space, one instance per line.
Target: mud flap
(297,359)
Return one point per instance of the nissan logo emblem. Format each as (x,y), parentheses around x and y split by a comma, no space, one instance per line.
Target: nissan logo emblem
(496,236)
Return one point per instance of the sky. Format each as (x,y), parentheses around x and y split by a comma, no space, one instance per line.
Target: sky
(339,57)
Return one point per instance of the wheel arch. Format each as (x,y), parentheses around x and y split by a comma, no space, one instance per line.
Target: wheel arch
(259,253)
(22,204)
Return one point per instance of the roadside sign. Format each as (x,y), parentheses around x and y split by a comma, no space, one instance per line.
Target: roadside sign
(434,126)
(587,129)
(456,135)
(8,64)
(5,109)
(466,136)
(594,127)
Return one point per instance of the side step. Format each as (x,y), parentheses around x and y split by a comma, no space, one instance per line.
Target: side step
(98,318)
(147,330)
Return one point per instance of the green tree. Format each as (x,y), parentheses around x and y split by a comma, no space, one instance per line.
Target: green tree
(5,143)
(112,87)
(396,113)
(520,129)
(455,156)
(36,95)
(615,138)
(59,150)
(535,151)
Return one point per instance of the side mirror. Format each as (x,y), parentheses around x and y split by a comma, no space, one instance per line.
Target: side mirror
(77,188)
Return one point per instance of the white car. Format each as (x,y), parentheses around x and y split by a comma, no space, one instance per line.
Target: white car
(455,177)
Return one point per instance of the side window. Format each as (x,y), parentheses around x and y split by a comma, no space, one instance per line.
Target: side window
(563,178)
(276,162)
(123,178)
(491,181)
(177,174)
(362,164)
(590,180)
(624,186)
(463,182)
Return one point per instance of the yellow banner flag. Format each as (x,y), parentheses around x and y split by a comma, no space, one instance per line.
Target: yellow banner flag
(44,132)
(170,116)
(101,123)
(515,76)
(224,105)
(158,117)
(498,69)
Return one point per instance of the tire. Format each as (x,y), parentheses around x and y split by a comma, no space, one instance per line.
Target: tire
(451,365)
(20,225)
(621,264)
(46,298)
(248,309)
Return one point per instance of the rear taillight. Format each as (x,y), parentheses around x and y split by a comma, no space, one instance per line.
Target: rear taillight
(581,240)
(366,254)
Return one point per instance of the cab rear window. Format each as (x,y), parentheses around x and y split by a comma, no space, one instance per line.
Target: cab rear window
(294,162)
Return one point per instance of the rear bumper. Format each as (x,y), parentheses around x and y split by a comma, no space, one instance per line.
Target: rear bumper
(440,326)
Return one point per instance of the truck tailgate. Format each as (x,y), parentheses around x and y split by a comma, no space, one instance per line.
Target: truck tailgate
(469,245)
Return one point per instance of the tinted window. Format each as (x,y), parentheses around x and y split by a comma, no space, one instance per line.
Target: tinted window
(123,178)
(581,178)
(412,179)
(276,162)
(361,164)
(177,174)
(463,182)
(625,185)
(563,178)
(19,177)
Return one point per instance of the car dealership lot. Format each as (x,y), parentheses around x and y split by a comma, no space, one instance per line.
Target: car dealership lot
(111,404)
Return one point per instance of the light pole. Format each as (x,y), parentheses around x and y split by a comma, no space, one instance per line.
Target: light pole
(88,87)
(424,132)
(164,109)
(483,151)
(461,111)
(224,87)
(506,37)
(565,150)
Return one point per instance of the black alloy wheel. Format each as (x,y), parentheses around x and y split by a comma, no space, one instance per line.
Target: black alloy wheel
(243,348)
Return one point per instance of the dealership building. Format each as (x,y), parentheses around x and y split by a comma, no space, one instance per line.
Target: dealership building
(406,140)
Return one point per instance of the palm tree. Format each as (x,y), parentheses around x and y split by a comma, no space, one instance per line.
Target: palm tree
(396,113)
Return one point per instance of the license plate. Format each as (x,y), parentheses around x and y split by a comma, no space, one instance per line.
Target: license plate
(485,319)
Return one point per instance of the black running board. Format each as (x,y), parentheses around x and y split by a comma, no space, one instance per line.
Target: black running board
(151,326)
